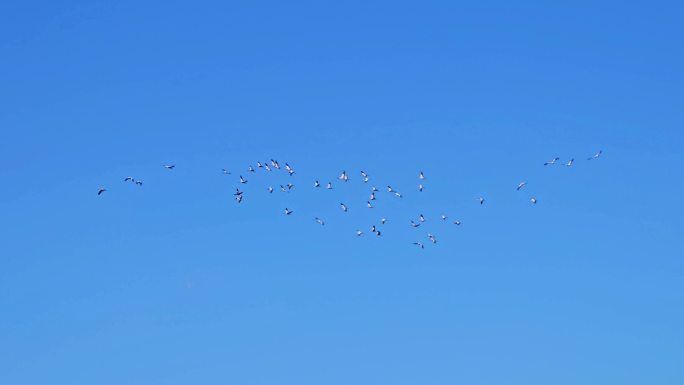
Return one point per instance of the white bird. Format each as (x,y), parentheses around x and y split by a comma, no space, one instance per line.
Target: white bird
(275,164)
(270,189)
(317,184)
(238,192)
(267,168)
(289,186)
(250,169)
(570,162)
(343,177)
(482,200)
(444,217)
(359,233)
(259,165)
(457,223)
(390,189)
(533,200)
(422,246)
(372,196)
(420,187)
(382,221)
(288,211)
(238,198)
(320,221)
(374,189)
(101,190)
(552,161)
(282,188)
(365,180)
(432,238)
(369,205)
(287,167)
(520,185)
(397,194)
(139,182)
(225,172)
(421,175)
(414,224)
(343,207)
(373,229)
(595,156)
(329,186)
(421,218)
(169,166)
(363,174)
(129,178)
(243,180)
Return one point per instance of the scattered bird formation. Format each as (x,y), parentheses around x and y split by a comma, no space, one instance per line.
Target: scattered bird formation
(344,177)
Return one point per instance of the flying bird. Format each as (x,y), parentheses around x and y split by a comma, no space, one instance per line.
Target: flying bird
(288,211)
(595,156)
(432,238)
(382,221)
(317,184)
(414,224)
(101,190)
(369,205)
(552,161)
(343,177)
(422,246)
(520,185)
(398,195)
(243,180)
(420,187)
(444,217)
(359,233)
(259,165)
(289,186)
(421,176)
(139,182)
(533,200)
(225,172)
(267,168)
(270,190)
(169,166)
(320,221)
(251,169)
(372,196)
(457,223)
(482,200)
(390,189)
(129,178)
(421,218)
(343,207)
(329,186)
(570,162)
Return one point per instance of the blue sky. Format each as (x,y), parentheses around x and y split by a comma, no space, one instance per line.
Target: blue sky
(174,283)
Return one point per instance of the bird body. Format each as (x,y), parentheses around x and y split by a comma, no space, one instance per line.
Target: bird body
(101,190)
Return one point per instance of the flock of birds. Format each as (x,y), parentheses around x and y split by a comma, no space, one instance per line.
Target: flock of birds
(344,177)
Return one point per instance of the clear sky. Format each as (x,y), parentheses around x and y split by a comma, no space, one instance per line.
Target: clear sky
(174,283)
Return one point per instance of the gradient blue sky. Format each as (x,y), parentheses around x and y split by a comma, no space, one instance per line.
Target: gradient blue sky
(173,283)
